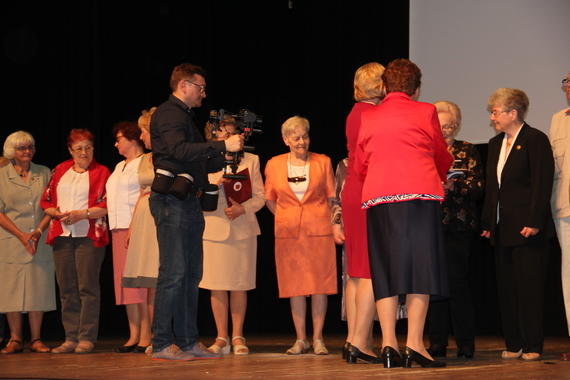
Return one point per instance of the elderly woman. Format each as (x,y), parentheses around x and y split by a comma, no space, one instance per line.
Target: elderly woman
(360,309)
(141,264)
(75,199)
(459,217)
(518,220)
(123,190)
(299,189)
(402,160)
(26,262)
(230,244)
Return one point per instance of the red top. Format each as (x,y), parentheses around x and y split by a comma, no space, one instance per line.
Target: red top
(400,144)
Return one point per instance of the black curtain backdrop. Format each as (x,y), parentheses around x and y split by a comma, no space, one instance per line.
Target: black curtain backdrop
(90,64)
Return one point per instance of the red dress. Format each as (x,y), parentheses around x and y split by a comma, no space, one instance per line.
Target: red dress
(354,217)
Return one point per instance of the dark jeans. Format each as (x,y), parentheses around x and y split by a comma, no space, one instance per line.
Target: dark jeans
(459,307)
(179,225)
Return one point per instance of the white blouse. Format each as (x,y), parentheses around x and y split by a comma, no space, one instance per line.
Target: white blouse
(123,190)
(73,194)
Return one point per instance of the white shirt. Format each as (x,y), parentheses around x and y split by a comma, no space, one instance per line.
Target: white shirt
(123,190)
(73,194)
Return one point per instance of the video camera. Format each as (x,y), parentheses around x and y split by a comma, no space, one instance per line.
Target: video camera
(246,123)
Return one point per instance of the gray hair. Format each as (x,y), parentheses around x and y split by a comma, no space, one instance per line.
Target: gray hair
(14,140)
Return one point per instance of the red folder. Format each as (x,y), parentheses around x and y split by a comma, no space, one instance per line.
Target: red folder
(238,189)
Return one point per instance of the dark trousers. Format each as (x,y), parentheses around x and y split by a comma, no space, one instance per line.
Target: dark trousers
(521,273)
(458,308)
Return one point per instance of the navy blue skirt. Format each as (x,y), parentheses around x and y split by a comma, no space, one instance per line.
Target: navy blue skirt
(406,249)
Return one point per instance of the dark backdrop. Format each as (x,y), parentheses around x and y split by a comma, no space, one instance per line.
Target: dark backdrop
(90,64)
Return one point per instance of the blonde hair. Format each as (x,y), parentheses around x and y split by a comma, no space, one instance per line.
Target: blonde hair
(368,82)
(144,119)
(293,122)
(208,133)
(15,139)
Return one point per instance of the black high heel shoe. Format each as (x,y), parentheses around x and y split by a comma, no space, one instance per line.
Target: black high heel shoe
(345,350)
(391,358)
(413,356)
(353,355)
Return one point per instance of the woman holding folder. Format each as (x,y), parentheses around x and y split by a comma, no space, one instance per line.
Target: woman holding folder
(230,242)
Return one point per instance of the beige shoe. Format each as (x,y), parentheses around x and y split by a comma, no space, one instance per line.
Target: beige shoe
(319,348)
(240,349)
(224,350)
(529,356)
(65,348)
(511,355)
(84,347)
(300,347)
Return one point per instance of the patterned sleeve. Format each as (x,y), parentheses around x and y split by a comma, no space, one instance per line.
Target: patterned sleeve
(340,175)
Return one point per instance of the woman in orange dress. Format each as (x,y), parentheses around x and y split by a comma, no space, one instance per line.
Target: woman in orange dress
(299,188)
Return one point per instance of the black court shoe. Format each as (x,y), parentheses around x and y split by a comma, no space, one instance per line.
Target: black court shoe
(354,354)
(413,356)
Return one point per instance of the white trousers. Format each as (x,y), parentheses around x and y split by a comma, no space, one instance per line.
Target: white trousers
(563,232)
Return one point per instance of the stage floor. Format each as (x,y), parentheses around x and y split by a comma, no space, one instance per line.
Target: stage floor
(268,360)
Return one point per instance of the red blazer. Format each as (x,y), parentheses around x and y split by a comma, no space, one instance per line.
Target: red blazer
(400,149)
(98,175)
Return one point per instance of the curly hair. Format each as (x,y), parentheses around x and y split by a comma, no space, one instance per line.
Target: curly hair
(402,75)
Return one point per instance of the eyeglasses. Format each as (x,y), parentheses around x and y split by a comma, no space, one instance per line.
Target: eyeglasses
(119,137)
(24,148)
(86,149)
(497,113)
(202,88)
(448,127)
(565,81)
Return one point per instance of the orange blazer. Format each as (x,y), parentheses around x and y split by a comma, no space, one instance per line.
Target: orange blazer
(312,213)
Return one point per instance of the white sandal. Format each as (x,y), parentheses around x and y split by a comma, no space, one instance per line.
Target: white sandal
(240,349)
(319,347)
(300,347)
(219,349)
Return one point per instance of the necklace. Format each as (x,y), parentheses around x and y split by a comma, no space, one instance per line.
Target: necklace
(21,172)
(296,177)
(80,170)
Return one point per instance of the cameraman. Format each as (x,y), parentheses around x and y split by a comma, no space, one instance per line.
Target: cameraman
(178,147)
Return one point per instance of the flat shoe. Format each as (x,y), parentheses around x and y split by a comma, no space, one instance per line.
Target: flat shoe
(319,348)
(84,347)
(300,347)
(529,356)
(10,349)
(507,355)
(240,349)
(199,351)
(65,348)
(39,348)
(224,350)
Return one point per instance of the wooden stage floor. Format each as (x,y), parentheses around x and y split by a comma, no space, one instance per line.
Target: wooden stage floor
(268,361)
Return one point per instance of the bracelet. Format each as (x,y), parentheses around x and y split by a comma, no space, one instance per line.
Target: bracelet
(40,231)
(88,213)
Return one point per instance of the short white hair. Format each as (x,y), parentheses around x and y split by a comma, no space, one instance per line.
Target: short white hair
(16,139)
(293,122)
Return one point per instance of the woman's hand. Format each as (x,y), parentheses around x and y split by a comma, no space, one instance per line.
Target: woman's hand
(28,241)
(529,231)
(486,234)
(338,234)
(449,185)
(235,210)
(74,217)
